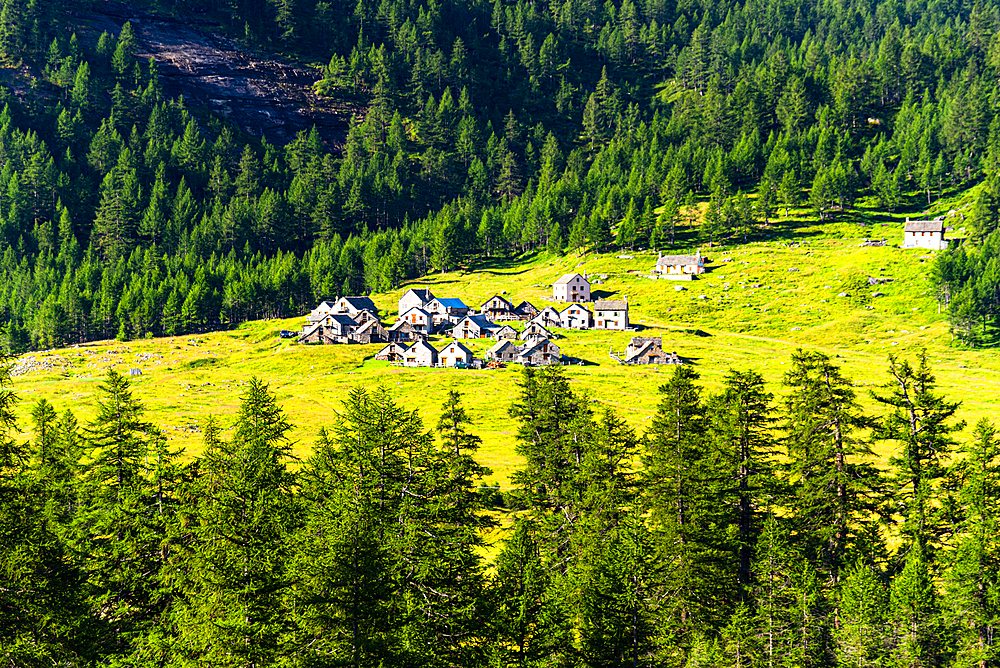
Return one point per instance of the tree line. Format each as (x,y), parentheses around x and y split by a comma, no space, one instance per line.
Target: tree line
(740,528)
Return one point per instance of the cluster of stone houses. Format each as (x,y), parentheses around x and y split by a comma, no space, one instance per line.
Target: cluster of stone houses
(422,354)
(346,320)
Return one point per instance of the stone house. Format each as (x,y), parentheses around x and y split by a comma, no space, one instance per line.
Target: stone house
(474,327)
(505,333)
(576,316)
(534,331)
(927,234)
(525,311)
(503,351)
(497,307)
(420,354)
(393,352)
(680,265)
(333,328)
(402,330)
(446,309)
(453,353)
(319,333)
(539,353)
(371,331)
(645,350)
(611,314)
(420,319)
(320,312)
(414,298)
(352,305)
(571,288)
(548,317)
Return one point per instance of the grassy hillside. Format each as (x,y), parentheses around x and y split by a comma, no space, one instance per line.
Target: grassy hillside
(759,302)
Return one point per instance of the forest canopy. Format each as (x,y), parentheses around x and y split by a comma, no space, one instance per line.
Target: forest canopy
(750,526)
(482,130)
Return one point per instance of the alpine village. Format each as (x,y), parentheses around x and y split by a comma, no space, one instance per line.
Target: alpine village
(499,334)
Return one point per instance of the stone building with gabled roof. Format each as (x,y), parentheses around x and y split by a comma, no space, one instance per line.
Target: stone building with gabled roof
(496,307)
(414,298)
(420,353)
(680,265)
(576,316)
(392,353)
(571,288)
(453,353)
(927,234)
(351,305)
(504,351)
(539,353)
(611,314)
(474,327)
(420,320)
(505,333)
(534,331)
(446,309)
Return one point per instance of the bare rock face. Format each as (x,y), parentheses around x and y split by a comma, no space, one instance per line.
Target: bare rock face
(261,95)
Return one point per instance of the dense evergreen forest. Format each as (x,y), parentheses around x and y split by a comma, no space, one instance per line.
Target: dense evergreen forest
(485,130)
(757,531)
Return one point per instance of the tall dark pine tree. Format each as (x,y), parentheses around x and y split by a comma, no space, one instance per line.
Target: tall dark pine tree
(233,571)
(739,427)
(676,483)
(835,490)
(919,425)
(528,625)
(120,526)
(43,615)
(972,579)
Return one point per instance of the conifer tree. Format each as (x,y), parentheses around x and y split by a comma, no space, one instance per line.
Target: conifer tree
(676,488)
(739,428)
(920,426)
(234,570)
(835,490)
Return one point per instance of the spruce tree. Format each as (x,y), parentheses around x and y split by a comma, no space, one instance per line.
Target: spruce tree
(739,428)
(835,490)
(919,425)
(234,569)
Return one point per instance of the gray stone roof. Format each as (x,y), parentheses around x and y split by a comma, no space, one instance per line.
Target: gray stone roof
(682,260)
(924,226)
(610,305)
(566,278)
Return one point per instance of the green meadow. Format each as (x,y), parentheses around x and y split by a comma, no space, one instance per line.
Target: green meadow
(803,286)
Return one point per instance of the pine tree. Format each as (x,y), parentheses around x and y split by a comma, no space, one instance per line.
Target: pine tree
(972,577)
(741,419)
(234,571)
(835,489)
(121,524)
(676,482)
(919,425)
(861,636)
(527,624)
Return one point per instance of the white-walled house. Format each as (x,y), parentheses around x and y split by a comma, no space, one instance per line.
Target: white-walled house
(575,316)
(680,265)
(571,288)
(419,319)
(611,314)
(453,353)
(927,234)
(414,298)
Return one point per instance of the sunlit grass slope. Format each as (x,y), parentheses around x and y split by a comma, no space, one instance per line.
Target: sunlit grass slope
(760,301)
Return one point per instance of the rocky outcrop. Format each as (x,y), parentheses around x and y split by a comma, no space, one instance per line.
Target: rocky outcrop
(263,96)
